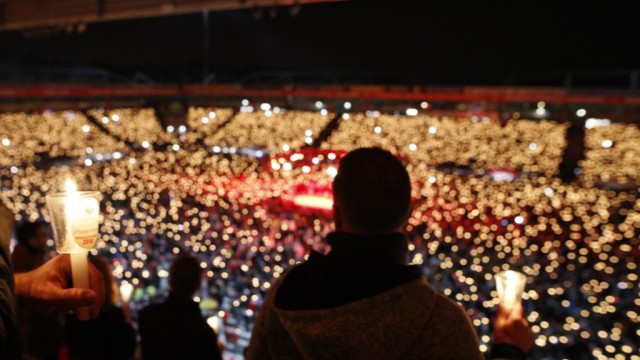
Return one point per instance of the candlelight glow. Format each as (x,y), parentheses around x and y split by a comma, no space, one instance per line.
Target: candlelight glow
(70,186)
(126,289)
(214,323)
(510,285)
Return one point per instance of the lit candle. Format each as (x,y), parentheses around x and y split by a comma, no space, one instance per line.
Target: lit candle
(79,270)
(126,289)
(75,217)
(510,285)
(214,323)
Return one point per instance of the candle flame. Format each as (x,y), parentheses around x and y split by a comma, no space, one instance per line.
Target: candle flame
(70,186)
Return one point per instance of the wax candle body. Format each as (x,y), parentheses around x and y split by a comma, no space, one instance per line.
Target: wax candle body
(80,277)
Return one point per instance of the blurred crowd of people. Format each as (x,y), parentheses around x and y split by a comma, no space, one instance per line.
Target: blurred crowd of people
(577,243)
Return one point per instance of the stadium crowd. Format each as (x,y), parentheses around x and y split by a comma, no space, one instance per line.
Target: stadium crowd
(577,243)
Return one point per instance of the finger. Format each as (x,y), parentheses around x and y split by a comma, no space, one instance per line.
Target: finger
(73,298)
(64,263)
(524,323)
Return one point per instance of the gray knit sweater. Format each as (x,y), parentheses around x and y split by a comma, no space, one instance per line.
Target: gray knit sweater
(410,321)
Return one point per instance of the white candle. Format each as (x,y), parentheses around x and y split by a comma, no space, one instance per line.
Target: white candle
(80,277)
(75,216)
(70,200)
(510,285)
(79,266)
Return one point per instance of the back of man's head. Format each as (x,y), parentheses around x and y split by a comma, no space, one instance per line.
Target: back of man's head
(372,191)
(184,276)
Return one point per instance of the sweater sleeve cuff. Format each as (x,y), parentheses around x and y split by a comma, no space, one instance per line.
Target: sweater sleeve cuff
(502,351)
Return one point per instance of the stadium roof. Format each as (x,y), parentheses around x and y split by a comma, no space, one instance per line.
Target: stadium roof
(20,14)
(459,43)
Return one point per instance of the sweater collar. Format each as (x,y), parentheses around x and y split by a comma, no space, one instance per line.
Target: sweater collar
(391,247)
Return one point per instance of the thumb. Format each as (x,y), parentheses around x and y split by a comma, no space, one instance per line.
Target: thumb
(74,297)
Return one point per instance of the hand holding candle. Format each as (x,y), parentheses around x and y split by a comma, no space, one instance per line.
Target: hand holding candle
(510,285)
(75,216)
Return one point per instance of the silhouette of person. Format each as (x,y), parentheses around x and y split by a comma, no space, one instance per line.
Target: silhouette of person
(175,329)
(361,300)
(108,337)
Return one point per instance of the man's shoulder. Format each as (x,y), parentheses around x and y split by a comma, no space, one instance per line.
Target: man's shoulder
(151,312)
(448,308)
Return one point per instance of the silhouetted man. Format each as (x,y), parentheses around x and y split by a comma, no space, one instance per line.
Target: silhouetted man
(176,329)
(362,300)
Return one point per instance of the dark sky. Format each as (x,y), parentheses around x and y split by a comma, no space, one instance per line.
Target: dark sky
(439,42)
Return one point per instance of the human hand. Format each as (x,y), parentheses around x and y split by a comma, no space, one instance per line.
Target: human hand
(46,288)
(513,329)
(7,221)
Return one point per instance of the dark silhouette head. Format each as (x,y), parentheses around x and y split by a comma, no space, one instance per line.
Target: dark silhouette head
(372,192)
(33,235)
(184,276)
